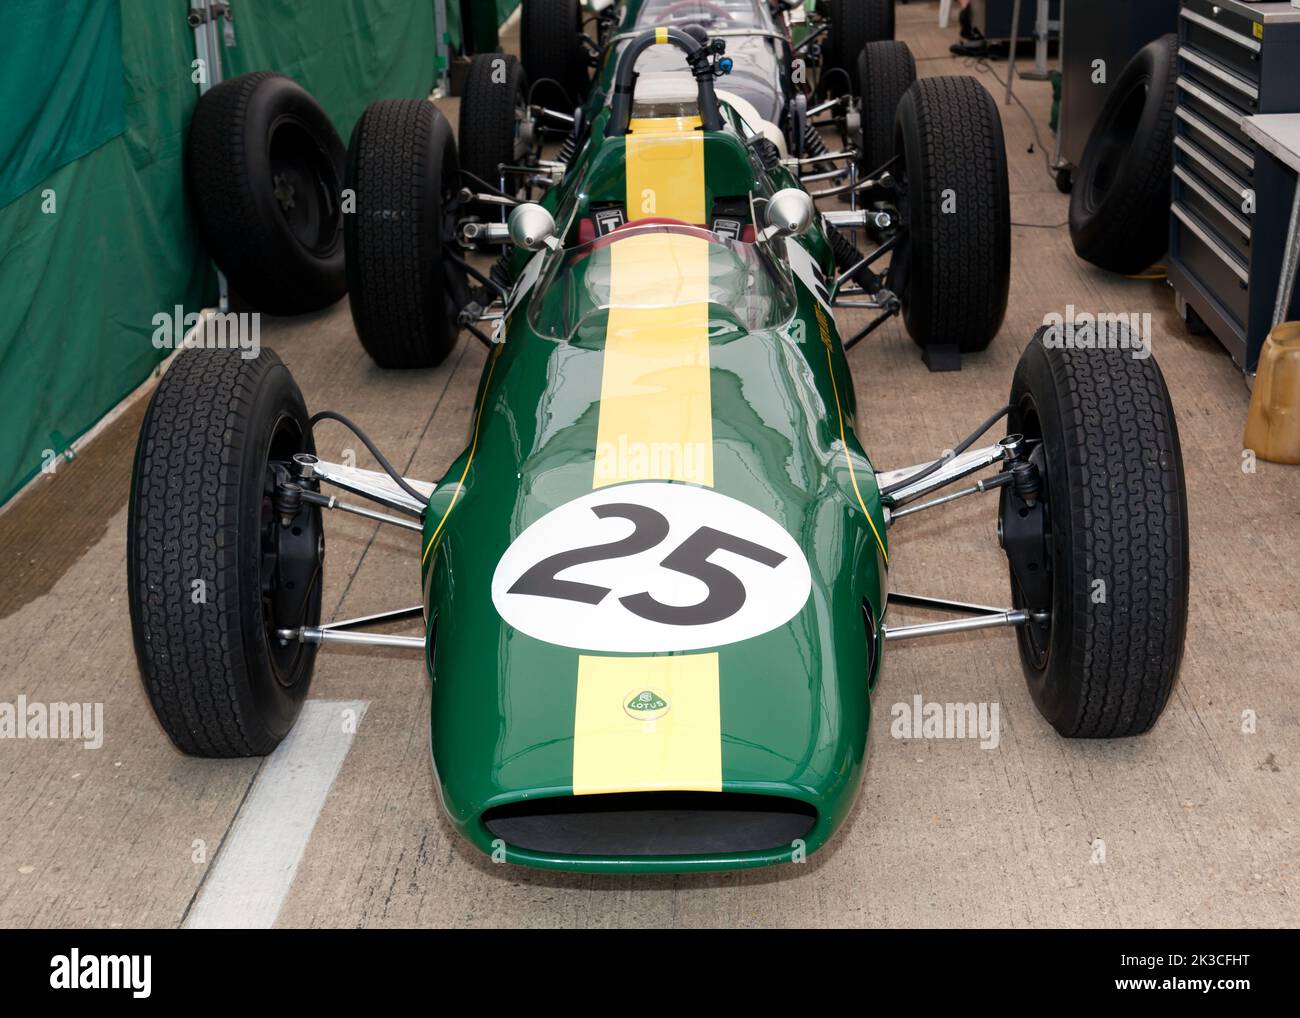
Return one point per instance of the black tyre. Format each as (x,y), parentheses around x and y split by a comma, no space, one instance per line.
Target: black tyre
(886,71)
(953,269)
(556,61)
(265,170)
(211,571)
(1117,545)
(852,24)
(494,123)
(1119,205)
(405,292)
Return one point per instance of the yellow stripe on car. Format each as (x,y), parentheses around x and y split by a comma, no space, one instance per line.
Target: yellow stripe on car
(665,169)
(656,423)
(656,406)
(676,747)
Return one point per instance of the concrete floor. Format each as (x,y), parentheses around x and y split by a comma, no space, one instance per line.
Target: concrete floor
(1198,820)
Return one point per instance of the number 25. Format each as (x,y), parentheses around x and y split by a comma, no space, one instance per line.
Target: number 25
(726,594)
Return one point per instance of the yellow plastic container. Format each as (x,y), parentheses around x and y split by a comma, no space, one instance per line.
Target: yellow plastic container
(1273,424)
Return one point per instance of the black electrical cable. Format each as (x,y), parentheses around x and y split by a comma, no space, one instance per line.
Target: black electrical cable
(484,186)
(821,81)
(330,415)
(551,81)
(984,67)
(966,443)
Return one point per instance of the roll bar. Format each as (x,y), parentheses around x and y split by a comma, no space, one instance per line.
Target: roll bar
(697,55)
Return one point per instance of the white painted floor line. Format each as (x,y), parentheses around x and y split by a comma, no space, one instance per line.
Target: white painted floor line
(254,869)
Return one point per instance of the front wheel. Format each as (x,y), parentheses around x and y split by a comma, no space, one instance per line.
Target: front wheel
(213,569)
(886,70)
(953,269)
(406,288)
(553,54)
(494,123)
(851,24)
(1102,655)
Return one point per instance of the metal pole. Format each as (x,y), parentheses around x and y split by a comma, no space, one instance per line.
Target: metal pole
(1060,117)
(207,48)
(939,604)
(1011,55)
(1290,262)
(1018,617)
(442,49)
(382,618)
(989,484)
(310,634)
(1042,33)
(953,470)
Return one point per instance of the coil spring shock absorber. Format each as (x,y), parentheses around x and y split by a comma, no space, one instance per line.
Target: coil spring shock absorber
(812,141)
(500,272)
(847,256)
(570,147)
(813,145)
(846,253)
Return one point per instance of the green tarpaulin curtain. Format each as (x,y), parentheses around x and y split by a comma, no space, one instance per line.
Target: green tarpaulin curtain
(94,247)
(346,53)
(61,79)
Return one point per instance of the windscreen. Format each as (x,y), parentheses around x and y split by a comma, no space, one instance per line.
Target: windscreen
(655,269)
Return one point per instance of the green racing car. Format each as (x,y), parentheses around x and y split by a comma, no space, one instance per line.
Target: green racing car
(655,583)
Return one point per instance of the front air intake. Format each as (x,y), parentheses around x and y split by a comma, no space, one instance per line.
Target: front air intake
(632,824)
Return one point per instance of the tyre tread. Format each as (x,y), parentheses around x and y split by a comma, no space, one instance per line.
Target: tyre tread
(236,233)
(1128,520)
(962,260)
(183,526)
(393,257)
(1129,229)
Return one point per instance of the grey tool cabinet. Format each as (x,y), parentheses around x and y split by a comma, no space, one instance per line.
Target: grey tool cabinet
(1230,206)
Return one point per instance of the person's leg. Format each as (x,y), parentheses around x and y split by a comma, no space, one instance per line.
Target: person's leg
(973,43)
(968,29)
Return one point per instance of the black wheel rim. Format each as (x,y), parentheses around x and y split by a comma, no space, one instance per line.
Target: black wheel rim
(1035,637)
(305,531)
(304,183)
(455,286)
(1116,142)
(518,151)
(898,275)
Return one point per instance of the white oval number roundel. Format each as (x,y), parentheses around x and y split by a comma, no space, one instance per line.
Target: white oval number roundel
(649,567)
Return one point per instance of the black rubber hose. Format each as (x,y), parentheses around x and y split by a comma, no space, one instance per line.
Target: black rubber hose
(970,440)
(568,98)
(330,415)
(620,106)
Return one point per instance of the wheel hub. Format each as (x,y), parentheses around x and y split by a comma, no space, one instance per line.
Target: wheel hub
(284,192)
(1024,531)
